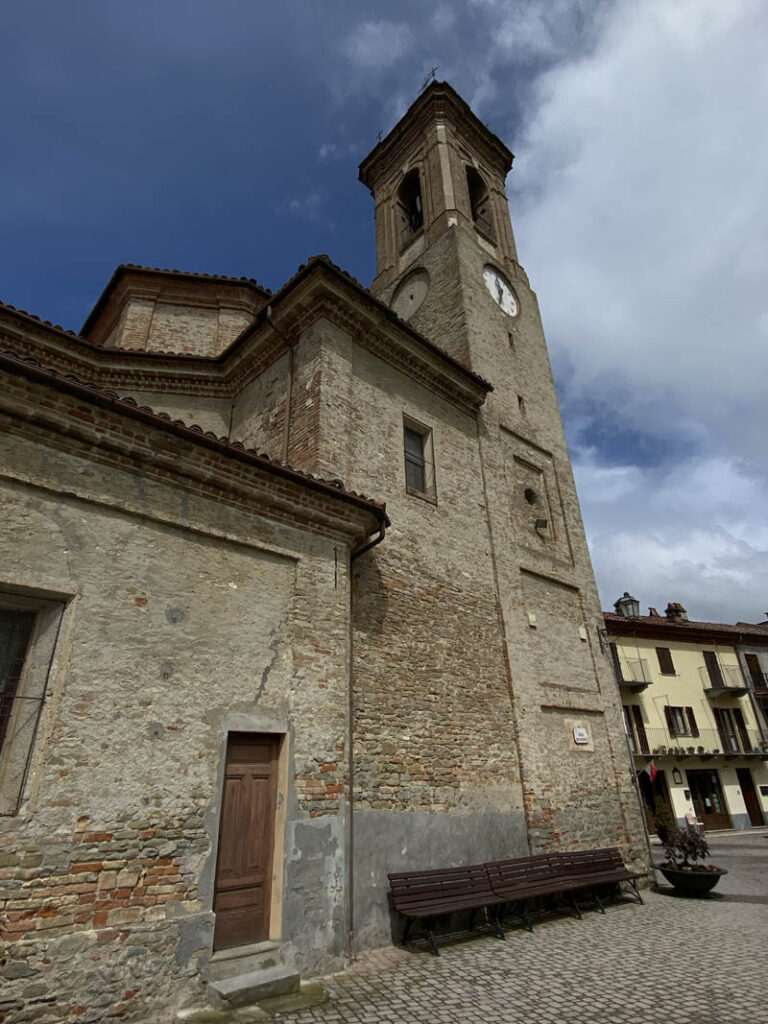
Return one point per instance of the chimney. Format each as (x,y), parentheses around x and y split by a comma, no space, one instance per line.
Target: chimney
(653,613)
(675,612)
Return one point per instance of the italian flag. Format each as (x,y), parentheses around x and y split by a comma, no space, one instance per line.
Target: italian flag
(650,768)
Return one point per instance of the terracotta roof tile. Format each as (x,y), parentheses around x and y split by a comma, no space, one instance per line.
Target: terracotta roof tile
(661,622)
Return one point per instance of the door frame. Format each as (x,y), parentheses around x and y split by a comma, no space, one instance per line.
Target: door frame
(241,724)
(701,813)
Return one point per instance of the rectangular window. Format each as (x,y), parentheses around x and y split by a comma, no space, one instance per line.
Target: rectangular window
(681,721)
(713,669)
(419,460)
(755,672)
(666,665)
(29,628)
(635,729)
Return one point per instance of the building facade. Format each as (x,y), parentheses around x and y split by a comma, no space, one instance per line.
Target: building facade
(690,713)
(237,691)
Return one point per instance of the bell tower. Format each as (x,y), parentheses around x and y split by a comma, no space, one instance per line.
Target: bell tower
(448,265)
(441,214)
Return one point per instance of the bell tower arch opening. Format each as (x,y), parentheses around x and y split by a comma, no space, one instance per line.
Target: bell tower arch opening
(480,203)
(410,209)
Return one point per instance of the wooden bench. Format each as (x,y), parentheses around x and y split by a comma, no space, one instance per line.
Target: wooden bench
(595,869)
(500,886)
(524,878)
(423,895)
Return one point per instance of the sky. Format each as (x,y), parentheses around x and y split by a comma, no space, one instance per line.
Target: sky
(225,138)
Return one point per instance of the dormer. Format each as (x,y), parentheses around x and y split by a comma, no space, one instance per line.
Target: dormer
(143,309)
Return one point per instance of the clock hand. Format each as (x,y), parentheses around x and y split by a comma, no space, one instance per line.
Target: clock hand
(499,290)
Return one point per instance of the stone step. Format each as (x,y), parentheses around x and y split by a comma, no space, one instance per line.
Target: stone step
(244,989)
(259,956)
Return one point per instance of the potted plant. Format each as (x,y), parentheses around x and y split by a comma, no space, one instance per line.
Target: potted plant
(686,850)
(662,820)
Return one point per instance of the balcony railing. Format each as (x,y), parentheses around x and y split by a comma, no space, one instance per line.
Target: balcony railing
(709,743)
(728,679)
(635,673)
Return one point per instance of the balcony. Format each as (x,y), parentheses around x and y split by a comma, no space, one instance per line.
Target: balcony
(635,674)
(726,680)
(708,744)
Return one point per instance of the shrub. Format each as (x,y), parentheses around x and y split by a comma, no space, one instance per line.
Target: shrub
(684,847)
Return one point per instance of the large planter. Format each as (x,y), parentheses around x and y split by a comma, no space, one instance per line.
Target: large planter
(693,883)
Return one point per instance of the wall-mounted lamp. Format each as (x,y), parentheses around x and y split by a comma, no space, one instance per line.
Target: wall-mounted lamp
(677,777)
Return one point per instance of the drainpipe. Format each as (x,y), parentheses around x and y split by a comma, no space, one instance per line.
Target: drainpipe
(289,387)
(354,555)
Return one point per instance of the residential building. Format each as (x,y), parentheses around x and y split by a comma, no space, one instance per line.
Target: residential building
(692,724)
(238,692)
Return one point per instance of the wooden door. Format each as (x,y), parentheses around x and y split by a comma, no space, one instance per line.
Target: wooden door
(707,797)
(744,775)
(246,840)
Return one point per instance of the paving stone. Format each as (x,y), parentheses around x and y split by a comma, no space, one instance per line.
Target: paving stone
(599,970)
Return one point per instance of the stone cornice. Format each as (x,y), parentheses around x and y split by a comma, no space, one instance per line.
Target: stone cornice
(319,289)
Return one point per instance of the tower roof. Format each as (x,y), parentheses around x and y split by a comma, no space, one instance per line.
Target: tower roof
(439,101)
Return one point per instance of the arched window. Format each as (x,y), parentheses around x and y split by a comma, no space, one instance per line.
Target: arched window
(480,203)
(410,210)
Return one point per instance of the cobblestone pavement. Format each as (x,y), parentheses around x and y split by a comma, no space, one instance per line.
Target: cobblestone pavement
(672,961)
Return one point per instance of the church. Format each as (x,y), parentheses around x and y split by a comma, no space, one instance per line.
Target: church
(295,591)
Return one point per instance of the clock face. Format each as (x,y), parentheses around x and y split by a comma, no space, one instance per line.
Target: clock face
(411,293)
(501,290)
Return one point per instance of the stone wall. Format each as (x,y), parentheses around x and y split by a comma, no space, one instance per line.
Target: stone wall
(184,619)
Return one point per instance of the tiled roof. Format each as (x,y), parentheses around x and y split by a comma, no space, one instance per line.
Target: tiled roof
(195,275)
(193,432)
(38,320)
(649,623)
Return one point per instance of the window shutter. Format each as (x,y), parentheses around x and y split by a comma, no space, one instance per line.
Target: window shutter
(721,729)
(670,720)
(713,668)
(753,664)
(666,665)
(694,729)
(741,725)
(642,739)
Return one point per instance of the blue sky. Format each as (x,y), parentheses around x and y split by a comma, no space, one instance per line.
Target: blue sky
(225,138)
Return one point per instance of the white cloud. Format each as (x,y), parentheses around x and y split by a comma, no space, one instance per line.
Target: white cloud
(645,218)
(641,213)
(695,532)
(375,45)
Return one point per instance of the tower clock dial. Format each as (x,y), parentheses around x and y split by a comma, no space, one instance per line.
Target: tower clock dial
(501,290)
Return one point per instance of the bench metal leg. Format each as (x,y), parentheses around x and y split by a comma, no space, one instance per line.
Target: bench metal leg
(635,890)
(598,901)
(408,924)
(526,919)
(572,900)
(432,943)
(495,919)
